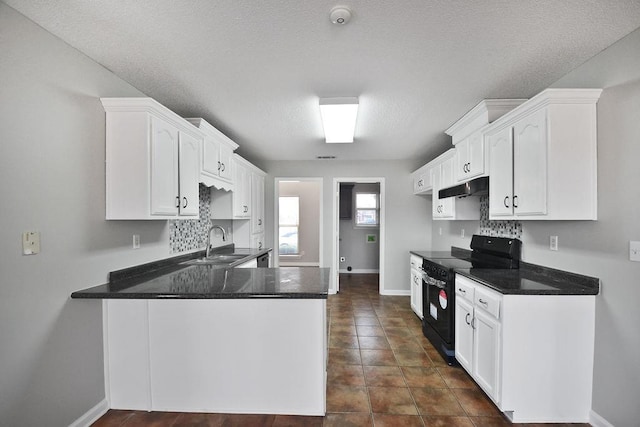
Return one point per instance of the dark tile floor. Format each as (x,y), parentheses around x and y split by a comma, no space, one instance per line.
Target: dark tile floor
(382,372)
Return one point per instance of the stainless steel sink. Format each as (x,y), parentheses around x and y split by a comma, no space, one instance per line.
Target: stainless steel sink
(222,260)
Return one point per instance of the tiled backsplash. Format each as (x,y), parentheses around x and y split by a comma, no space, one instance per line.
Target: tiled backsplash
(191,234)
(497,228)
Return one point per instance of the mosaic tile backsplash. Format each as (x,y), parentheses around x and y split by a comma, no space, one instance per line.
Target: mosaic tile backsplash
(191,234)
(497,228)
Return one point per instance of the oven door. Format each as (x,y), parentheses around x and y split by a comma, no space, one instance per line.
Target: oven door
(439,306)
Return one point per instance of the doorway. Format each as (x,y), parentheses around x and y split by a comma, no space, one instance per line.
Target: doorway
(298,222)
(364,223)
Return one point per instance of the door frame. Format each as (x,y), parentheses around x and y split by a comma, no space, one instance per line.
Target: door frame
(334,286)
(276,215)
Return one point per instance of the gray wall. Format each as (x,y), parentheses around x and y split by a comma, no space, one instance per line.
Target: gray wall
(309,226)
(359,254)
(407,216)
(52,129)
(601,248)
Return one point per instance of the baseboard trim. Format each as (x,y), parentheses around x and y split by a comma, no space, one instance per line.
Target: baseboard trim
(394,292)
(91,415)
(598,421)
(360,271)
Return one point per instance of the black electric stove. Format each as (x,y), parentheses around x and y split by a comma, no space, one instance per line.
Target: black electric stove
(438,286)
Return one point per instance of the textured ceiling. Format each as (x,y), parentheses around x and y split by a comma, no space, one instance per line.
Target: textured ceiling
(255,69)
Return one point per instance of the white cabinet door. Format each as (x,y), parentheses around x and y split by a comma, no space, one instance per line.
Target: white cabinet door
(242,192)
(257,241)
(447,205)
(257,203)
(462,160)
(189,156)
(416,292)
(464,333)
(501,173)
(164,168)
(469,159)
(226,162)
(210,157)
(486,352)
(476,155)
(530,165)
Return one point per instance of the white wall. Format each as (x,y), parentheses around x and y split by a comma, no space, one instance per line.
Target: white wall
(407,216)
(601,248)
(52,179)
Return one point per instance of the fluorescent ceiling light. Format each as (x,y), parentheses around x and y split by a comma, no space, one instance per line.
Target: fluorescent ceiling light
(339,118)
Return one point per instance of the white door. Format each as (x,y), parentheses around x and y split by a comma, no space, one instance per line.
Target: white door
(164,168)
(530,165)
(501,173)
(447,180)
(189,156)
(475,157)
(464,333)
(486,354)
(226,163)
(211,157)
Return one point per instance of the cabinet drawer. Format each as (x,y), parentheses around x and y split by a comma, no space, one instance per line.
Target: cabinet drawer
(488,301)
(464,288)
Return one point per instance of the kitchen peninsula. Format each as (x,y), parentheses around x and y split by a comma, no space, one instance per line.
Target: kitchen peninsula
(200,338)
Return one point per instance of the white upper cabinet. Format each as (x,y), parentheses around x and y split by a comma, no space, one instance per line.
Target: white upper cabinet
(423,180)
(543,158)
(468,137)
(216,168)
(469,158)
(450,208)
(257,202)
(237,204)
(152,158)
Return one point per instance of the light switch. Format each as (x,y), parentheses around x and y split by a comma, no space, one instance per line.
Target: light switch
(30,242)
(634,250)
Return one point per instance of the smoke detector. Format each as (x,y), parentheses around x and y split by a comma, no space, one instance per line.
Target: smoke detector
(340,15)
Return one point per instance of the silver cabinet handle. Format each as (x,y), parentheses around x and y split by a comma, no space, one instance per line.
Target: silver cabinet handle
(483,302)
(462,291)
(177,201)
(466,319)
(186,202)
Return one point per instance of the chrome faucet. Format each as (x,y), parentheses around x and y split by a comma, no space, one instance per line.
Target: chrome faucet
(224,237)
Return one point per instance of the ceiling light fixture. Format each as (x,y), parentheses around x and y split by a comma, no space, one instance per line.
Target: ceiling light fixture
(339,119)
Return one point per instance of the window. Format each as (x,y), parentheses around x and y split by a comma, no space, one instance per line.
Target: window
(367,210)
(289,213)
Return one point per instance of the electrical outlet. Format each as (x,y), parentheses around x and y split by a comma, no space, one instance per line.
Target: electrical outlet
(553,243)
(136,241)
(462,233)
(30,242)
(440,230)
(634,251)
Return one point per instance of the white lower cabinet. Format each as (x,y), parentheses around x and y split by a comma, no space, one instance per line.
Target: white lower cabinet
(531,354)
(217,355)
(416,284)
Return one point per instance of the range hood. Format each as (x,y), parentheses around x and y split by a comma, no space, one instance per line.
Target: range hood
(475,187)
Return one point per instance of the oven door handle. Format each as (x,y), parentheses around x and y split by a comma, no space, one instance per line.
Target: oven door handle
(431,281)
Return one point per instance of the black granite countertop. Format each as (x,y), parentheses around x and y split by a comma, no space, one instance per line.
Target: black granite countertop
(174,278)
(529,279)
(208,282)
